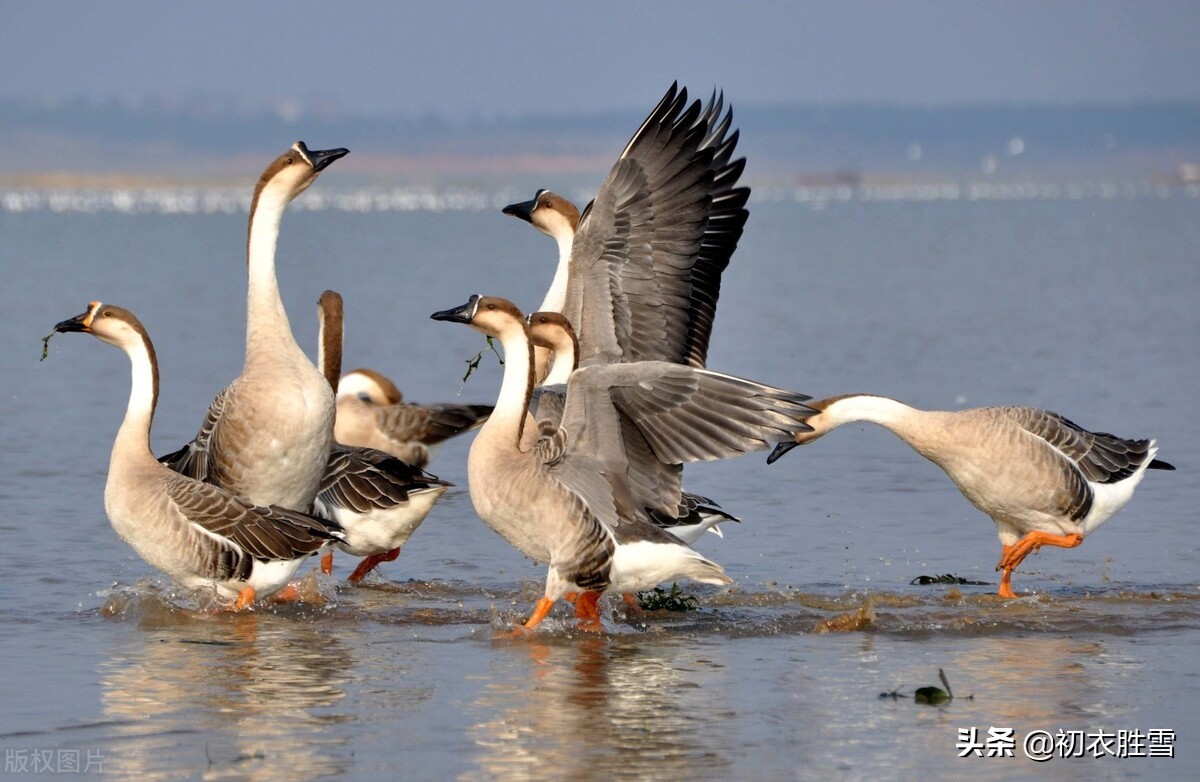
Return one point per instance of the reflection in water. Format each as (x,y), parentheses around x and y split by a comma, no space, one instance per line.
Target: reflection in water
(599,707)
(246,686)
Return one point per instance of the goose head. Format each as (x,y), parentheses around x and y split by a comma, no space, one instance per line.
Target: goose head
(553,331)
(369,386)
(492,315)
(820,424)
(115,325)
(291,173)
(549,212)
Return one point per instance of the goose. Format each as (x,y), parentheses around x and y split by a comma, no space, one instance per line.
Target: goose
(694,515)
(567,500)
(1043,479)
(266,436)
(371,413)
(639,271)
(203,536)
(377,499)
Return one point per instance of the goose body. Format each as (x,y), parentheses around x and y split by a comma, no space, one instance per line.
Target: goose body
(377,499)
(692,515)
(639,272)
(1043,479)
(202,536)
(267,435)
(566,498)
(371,413)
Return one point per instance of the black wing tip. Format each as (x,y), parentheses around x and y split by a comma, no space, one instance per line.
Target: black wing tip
(1159,464)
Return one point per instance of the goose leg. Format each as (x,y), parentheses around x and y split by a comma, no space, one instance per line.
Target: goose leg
(1006,589)
(327,563)
(244,598)
(1015,554)
(368,564)
(539,612)
(288,594)
(587,606)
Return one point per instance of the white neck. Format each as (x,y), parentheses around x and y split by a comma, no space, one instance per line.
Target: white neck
(561,368)
(512,406)
(133,438)
(266,320)
(556,297)
(880,410)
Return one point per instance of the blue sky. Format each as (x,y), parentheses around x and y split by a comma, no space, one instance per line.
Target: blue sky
(472,58)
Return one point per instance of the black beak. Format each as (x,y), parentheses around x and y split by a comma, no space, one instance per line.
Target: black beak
(523,210)
(780,450)
(77,323)
(321,158)
(460,314)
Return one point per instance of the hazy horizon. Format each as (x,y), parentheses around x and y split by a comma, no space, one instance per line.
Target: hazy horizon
(475,59)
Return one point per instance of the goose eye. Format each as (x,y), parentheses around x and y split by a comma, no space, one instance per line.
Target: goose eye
(288,161)
(108,313)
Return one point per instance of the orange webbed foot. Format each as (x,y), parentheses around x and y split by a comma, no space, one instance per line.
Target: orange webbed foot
(244,599)
(1015,554)
(368,564)
(327,563)
(540,611)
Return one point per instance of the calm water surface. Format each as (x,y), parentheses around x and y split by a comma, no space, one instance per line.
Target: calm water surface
(1089,307)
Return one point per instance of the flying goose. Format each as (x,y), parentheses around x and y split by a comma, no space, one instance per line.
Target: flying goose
(1043,479)
(566,499)
(694,515)
(371,413)
(202,536)
(378,500)
(267,434)
(639,271)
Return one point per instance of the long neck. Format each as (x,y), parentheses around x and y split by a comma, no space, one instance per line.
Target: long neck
(266,320)
(881,410)
(133,438)
(507,421)
(557,295)
(329,347)
(565,361)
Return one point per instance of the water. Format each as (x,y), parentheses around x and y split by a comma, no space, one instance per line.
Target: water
(1085,305)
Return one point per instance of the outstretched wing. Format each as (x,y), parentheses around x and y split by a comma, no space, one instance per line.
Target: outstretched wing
(647,259)
(643,420)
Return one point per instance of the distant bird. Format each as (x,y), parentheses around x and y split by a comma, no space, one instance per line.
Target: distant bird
(378,499)
(371,413)
(688,519)
(1043,479)
(267,434)
(202,536)
(639,272)
(566,499)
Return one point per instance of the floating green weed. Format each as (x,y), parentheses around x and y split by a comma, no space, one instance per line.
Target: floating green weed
(658,599)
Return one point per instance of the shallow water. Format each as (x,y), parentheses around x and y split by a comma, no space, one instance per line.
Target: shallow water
(1086,306)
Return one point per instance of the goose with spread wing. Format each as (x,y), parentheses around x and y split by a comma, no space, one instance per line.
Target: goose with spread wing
(566,498)
(1043,479)
(639,272)
(693,515)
